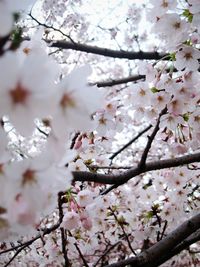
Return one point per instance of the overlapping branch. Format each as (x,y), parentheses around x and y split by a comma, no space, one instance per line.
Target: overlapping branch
(142,167)
(122,178)
(193,238)
(150,140)
(71,44)
(152,257)
(130,142)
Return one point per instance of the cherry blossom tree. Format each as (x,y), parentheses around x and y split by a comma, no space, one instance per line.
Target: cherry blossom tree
(100,127)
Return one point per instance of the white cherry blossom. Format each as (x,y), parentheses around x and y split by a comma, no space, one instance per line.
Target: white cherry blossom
(71,220)
(24,87)
(75,102)
(187,58)
(170,25)
(84,197)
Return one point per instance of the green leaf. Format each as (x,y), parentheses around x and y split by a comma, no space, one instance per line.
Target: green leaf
(186,117)
(154,90)
(189,16)
(149,214)
(16,38)
(172,56)
(188,42)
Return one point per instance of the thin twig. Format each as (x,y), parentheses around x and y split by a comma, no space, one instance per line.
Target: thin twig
(45,231)
(15,255)
(106,252)
(163,231)
(81,255)
(113,82)
(64,243)
(74,140)
(42,132)
(123,230)
(130,142)
(150,139)
(110,188)
(50,27)
(29,242)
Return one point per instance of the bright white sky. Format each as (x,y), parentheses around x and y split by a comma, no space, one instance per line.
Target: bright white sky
(109,8)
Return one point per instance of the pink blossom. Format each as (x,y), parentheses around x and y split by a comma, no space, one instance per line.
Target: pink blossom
(71,220)
(84,197)
(86,221)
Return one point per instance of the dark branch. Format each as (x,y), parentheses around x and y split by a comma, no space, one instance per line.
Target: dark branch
(62,230)
(193,238)
(74,140)
(3,41)
(122,178)
(167,244)
(14,256)
(110,188)
(120,81)
(81,255)
(50,27)
(105,51)
(150,139)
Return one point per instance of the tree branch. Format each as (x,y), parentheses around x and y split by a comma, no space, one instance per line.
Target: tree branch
(193,238)
(110,83)
(50,27)
(122,178)
(167,244)
(105,51)
(62,230)
(14,256)
(81,255)
(150,139)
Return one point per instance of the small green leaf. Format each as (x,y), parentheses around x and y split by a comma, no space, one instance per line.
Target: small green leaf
(149,214)
(188,42)
(16,38)
(186,117)
(88,162)
(154,90)
(189,16)
(172,56)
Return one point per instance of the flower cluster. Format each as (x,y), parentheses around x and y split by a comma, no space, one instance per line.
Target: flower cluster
(77,128)
(31,88)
